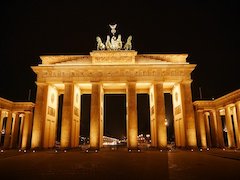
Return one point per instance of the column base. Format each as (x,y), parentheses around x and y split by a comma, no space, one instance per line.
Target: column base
(92,149)
(133,149)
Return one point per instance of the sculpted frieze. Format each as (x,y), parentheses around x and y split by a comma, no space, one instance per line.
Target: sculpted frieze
(111,73)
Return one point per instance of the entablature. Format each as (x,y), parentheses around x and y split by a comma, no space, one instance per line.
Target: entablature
(16,106)
(228,99)
(114,72)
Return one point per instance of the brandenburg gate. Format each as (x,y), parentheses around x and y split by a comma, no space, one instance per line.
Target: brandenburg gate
(116,70)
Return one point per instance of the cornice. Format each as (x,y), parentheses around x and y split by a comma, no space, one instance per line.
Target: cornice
(228,99)
(16,106)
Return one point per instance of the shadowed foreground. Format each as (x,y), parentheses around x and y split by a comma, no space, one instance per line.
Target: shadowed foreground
(120,164)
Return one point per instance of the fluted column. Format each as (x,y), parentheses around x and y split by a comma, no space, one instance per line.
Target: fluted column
(152,118)
(213,124)
(19,142)
(101,116)
(230,135)
(26,130)
(15,132)
(76,117)
(1,124)
(95,116)
(188,114)
(207,128)
(200,124)
(132,124)
(160,115)
(236,127)
(39,115)
(67,115)
(8,131)
(237,105)
(219,130)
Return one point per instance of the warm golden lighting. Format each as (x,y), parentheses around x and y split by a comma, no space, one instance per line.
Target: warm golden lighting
(59,86)
(116,72)
(114,85)
(168,85)
(143,85)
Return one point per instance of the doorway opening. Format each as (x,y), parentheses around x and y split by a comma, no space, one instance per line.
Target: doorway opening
(85,119)
(225,138)
(169,118)
(19,132)
(143,114)
(59,120)
(3,130)
(114,120)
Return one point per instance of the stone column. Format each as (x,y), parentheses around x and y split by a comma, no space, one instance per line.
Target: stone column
(188,113)
(213,124)
(132,124)
(236,125)
(230,135)
(207,128)
(152,117)
(7,137)
(237,105)
(39,115)
(95,116)
(1,119)
(200,124)
(21,117)
(67,115)
(15,132)
(160,115)
(219,130)
(1,124)
(26,130)
(76,117)
(101,116)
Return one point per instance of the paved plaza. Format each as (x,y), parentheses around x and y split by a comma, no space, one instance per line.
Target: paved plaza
(120,164)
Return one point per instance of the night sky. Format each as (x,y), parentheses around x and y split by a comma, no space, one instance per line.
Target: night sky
(207,31)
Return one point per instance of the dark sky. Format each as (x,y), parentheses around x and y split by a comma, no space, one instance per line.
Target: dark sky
(207,30)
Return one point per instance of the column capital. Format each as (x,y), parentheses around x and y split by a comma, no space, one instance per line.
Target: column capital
(68,82)
(212,111)
(95,82)
(186,81)
(131,82)
(27,112)
(238,103)
(157,82)
(206,112)
(200,110)
(228,106)
(41,83)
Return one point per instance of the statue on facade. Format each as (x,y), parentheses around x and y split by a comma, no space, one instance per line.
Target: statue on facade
(108,43)
(116,43)
(113,43)
(119,41)
(100,45)
(128,45)
(113,28)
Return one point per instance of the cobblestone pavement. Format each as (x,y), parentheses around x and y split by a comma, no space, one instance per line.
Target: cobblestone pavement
(117,164)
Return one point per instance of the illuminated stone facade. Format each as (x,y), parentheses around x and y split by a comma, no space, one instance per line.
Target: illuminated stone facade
(218,121)
(116,72)
(15,124)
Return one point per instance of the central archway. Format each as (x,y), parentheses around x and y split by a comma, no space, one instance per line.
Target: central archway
(115,117)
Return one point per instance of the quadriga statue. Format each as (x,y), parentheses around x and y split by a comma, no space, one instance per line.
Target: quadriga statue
(100,45)
(128,45)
